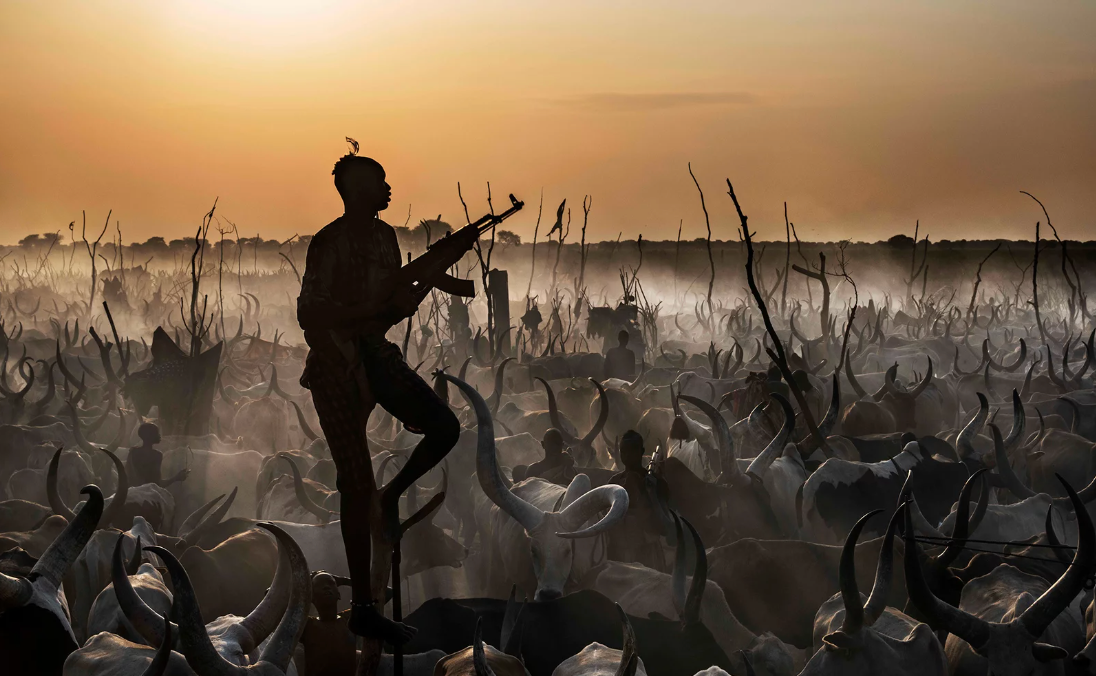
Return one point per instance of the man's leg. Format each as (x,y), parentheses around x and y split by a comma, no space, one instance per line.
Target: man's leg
(405,395)
(342,417)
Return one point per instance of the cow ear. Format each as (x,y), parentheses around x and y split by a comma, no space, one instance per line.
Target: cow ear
(839,641)
(1044,652)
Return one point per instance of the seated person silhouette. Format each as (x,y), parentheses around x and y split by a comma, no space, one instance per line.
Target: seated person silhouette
(144,461)
(620,361)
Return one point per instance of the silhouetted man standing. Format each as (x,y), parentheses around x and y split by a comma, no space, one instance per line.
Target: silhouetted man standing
(636,538)
(620,361)
(346,306)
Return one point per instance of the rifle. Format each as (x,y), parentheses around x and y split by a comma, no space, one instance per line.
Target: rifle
(428,271)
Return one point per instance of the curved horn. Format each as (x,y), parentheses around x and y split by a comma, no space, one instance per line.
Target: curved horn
(59,556)
(479,657)
(1001,367)
(263,619)
(196,516)
(306,429)
(1040,614)
(306,501)
(961,529)
(146,621)
(850,595)
(884,571)
(496,397)
(963,442)
(924,382)
(610,496)
(118,502)
(211,521)
(888,383)
(158,665)
(487,468)
(134,563)
(1019,422)
(56,502)
(553,411)
(699,581)
(629,658)
(971,629)
(78,431)
(14,591)
(1004,469)
(834,411)
(766,457)
(851,377)
(727,460)
(1052,538)
(602,418)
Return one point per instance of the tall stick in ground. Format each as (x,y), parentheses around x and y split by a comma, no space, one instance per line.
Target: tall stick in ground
(978,281)
(708,241)
(1035,287)
(778,356)
(787,260)
(93,250)
(533,262)
(820,277)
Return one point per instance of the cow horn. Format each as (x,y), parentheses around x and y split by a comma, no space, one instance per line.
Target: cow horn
(602,418)
(500,385)
(850,595)
(553,412)
(610,496)
(196,516)
(884,570)
(56,502)
(210,521)
(1019,422)
(888,383)
(924,382)
(510,635)
(159,662)
(963,443)
(432,505)
(487,468)
(1040,614)
(962,529)
(1004,469)
(134,564)
(851,377)
(1001,367)
(727,462)
(700,579)
(629,659)
(1052,538)
(221,389)
(479,657)
(265,616)
(146,621)
(766,457)
(305,427)
(303,497)
(834,411)
(118,502)
(919,520)
(59,556)
(973,630)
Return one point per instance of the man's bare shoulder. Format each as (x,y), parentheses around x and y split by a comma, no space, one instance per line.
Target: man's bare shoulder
(328,231)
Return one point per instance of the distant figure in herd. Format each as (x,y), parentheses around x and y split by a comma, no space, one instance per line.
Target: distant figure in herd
(345,308)
(636,539)
(557,466)
(144,461)
(620,361)
(329,647)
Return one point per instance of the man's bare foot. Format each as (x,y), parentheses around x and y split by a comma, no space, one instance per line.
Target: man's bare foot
(366,622)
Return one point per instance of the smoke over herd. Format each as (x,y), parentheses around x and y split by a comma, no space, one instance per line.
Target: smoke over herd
(719,456)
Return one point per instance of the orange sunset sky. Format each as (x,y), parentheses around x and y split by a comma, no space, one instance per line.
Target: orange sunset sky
(863,116)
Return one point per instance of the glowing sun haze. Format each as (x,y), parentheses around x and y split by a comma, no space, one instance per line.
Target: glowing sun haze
(863,116)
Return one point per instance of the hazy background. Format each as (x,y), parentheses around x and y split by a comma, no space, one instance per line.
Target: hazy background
(864,116)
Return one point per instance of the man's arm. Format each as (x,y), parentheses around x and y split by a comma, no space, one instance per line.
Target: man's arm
(317,309)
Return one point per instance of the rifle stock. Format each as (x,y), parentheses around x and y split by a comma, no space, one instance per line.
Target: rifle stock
(429,271)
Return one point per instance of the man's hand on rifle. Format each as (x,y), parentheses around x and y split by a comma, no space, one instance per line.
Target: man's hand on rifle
(402,304)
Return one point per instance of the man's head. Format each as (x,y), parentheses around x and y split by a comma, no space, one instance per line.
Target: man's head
(552,442)
(361,183)
(631,449)
(622,338)
(325,593)
(149,433)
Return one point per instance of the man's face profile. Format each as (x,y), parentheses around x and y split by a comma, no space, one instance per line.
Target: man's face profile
(366,185)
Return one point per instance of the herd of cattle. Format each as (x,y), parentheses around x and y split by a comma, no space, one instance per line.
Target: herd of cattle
(976,477)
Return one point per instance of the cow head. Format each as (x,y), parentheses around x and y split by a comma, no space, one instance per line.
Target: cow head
(549,535)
